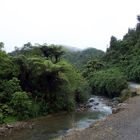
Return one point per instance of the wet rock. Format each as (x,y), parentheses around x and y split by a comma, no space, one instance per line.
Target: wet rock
(91,100)
(116,110)
(96,104)
(9,126)
(122,104)
(89,105)
(85,107)
(81,106)
(115,99)
(115,103)
(80,109)
(3,130)
(30,126)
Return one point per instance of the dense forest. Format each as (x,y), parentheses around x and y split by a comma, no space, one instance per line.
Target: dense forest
(35,80)
(80,58)
(39,79)
(109,75)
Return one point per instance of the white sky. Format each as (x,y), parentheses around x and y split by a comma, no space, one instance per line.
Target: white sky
(76,23)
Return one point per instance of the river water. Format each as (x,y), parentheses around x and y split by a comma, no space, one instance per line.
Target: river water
(47,128)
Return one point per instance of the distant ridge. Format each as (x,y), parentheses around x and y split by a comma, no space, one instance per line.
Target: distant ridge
(80,57)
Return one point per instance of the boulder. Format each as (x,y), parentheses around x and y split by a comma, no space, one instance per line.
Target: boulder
(9,126)
(89,105)
(91,100)
(96,104)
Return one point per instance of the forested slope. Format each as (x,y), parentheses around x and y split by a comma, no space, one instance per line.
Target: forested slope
(80,58)
(39,79)
(125,53)
(121,63)
(35,81)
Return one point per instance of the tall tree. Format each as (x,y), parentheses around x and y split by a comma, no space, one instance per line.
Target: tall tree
(1,45)
(138,18)
(113,42)
(54,52)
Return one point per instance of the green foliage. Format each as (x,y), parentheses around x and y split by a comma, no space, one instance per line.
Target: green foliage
(5,109)
(5,112)
(113,42)
(9,119)
(27,50)
(80,58)
(21,105)
(1,118)
(1,45)
(138,18)
(109,82)
(36,109)
(133,72)
(34,80)
(54,52)
(125,94)
(7,88)
(7,68)
(92,66)
(39,83)
(125,53)
(76,83)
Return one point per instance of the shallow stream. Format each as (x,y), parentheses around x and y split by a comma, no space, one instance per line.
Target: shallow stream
(47,128)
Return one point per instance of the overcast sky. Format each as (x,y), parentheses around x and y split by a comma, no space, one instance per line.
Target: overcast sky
(77,23)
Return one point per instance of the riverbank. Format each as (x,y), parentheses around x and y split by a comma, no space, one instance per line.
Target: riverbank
(58,124)
(123,125)
(8,129)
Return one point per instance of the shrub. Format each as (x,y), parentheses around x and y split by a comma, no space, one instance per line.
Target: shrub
(125,94)
(1,118)
(133,72)
(21,105)
(108,82)
(5,111)
(9,87)
(76,85)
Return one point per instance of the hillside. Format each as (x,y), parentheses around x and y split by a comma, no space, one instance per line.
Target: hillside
(35,81)
(80,58)
(125,53)
(109,75)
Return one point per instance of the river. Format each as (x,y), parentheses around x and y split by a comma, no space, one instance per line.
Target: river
(46,128)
